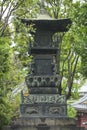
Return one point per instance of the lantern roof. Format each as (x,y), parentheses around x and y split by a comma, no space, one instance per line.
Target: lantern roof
(55,25)
(45,22)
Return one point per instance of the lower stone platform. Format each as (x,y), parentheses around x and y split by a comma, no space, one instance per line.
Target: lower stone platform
(60,123)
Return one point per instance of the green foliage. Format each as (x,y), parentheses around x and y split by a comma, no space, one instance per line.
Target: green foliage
(11,64)
(16,106)
(69,65)
(74,50)
(58,8)
(79,32)
(3,60)
(5,111)
(11,74)
(5,106)
(27,9)
(21,39)
(71,112)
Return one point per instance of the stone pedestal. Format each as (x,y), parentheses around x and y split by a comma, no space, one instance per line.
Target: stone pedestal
(43,127)
(59,123)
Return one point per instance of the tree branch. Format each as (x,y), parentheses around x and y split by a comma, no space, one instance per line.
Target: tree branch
(71,74)
(10,8)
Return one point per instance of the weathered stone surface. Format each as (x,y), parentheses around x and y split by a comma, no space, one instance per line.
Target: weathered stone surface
(44,98)
(43,110)
(44,124)
(43,81)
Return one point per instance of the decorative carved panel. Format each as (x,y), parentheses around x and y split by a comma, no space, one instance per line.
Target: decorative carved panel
(44,109)
(43,81)
(44,98)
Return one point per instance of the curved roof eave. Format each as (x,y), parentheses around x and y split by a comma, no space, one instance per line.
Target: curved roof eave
(55,25)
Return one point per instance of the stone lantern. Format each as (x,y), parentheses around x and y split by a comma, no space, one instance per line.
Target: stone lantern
(44,79)
(44,108)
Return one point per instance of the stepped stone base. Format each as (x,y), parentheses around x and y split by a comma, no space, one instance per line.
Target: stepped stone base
(62,123)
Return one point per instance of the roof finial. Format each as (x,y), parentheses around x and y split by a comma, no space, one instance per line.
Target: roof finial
(42,3)
(43,13)
(42,10)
